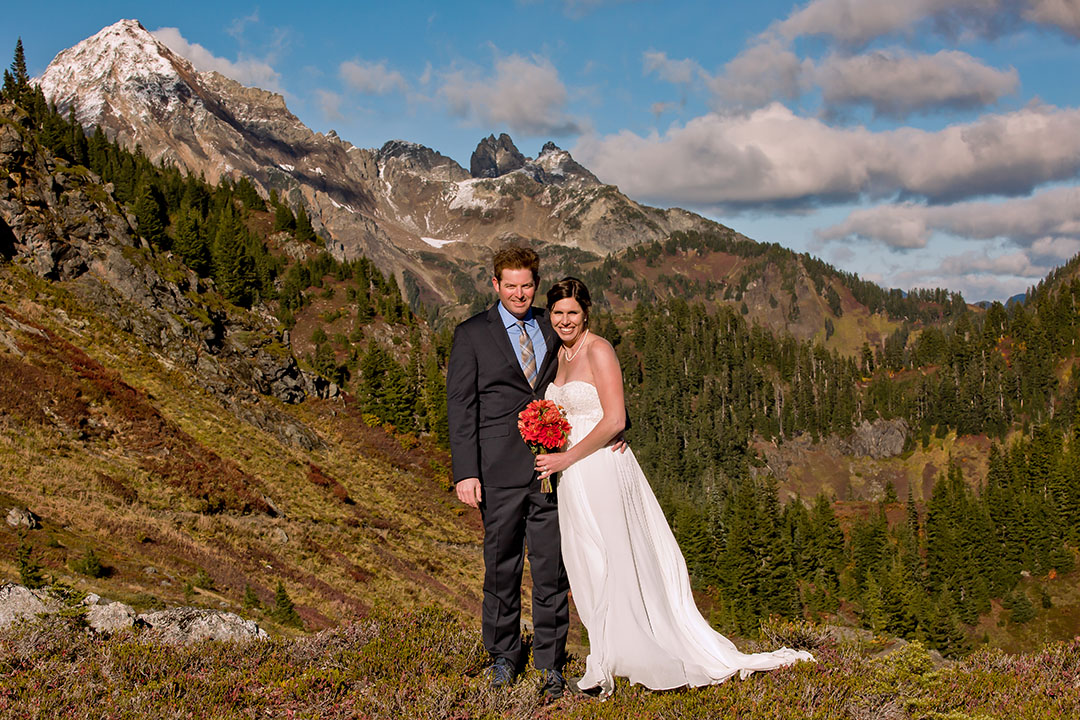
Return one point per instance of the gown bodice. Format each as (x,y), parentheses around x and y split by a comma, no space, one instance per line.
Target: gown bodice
(581,402)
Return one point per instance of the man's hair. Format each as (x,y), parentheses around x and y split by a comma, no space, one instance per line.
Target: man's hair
(570,287)
(515,257)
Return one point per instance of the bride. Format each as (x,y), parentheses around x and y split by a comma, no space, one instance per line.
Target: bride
(628,579)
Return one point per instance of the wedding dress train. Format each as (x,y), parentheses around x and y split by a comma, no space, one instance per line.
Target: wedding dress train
(627,576)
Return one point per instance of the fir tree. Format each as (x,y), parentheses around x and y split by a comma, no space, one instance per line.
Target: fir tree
(304,231)
(150,214)
(29,568)
(284,611)
(190,242)
(284,221)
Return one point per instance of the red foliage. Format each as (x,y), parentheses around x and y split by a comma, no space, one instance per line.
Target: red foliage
(67,388)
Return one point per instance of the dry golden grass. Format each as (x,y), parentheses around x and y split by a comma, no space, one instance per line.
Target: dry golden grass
(122,451)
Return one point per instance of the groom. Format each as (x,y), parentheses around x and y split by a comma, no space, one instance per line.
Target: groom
(501,360)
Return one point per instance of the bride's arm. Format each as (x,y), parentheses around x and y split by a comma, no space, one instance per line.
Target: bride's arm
(607,377)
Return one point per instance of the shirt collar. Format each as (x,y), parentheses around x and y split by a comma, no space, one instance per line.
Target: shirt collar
(509,320)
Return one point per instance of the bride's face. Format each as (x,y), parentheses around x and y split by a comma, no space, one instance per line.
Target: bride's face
(568,319)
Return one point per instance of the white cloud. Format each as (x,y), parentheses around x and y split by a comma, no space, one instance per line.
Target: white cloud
(987,274)
(677,72)
(857,22)
(372,78)
(774,156)
(525,95)
(896,83)
(1063,14)
(237,26)
(760,74)
(330,104)
(1050,218)
(245,70)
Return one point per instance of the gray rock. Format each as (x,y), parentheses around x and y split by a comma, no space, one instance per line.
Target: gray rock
(279,536)
(493,158)
(110,616)
(22,517)
(185,625)
(882,439)
(20,603)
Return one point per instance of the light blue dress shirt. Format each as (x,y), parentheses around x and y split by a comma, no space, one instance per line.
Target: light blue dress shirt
(513,331)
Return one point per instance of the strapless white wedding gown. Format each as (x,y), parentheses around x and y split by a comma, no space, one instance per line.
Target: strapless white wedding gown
(627,576)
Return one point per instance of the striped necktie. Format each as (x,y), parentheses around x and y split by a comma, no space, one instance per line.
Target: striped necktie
(528,356)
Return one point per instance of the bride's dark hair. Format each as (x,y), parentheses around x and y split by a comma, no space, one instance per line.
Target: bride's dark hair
(570,287)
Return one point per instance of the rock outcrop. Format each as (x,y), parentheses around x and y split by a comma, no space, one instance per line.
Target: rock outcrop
(184,625)
(23,517)
(880,439)
(493,157)
(177,626)
(66,225)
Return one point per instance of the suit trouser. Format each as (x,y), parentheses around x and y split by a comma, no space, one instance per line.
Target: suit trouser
(514,517)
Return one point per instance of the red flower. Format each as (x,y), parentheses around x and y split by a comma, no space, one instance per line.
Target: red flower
(544,428)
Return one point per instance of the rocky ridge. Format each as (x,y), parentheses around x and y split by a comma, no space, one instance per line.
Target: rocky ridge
(407,208)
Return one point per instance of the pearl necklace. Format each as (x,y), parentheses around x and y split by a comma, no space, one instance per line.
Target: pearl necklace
(581,344)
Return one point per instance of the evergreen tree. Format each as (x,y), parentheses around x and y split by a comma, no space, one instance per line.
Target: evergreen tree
(284,611)
(232,267)
(29,569)
(1022,609)
(284,221)
(251,600)
(17,80)
(190,243)
(150,214)
(304,231)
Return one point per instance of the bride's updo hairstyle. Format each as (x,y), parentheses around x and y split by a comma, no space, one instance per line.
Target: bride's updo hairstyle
(570,287)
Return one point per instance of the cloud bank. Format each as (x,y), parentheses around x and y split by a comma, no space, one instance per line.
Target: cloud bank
(245,70)
(523,94)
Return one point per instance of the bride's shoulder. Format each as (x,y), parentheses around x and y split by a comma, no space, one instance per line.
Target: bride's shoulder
(599,347)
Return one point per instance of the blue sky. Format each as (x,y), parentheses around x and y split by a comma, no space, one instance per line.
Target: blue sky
(923,143)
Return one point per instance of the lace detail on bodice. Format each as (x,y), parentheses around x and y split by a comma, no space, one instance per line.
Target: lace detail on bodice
(582,405)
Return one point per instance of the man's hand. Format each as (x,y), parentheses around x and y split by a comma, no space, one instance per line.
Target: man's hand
(619,445)
(469,492)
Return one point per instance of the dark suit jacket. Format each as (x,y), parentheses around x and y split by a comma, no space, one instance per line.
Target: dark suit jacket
(485,391)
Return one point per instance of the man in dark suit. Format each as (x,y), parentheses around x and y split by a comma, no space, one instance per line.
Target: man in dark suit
(501,360)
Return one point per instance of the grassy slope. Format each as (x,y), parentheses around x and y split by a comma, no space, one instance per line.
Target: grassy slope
(119,452)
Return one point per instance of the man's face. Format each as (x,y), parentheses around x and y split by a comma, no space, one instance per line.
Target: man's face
(516,289)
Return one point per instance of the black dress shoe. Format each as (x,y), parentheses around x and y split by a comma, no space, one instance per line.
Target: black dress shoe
(554,684)
(501,673)
(594,691)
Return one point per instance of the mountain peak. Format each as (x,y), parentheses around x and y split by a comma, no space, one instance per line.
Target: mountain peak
(494,157)
(124,55)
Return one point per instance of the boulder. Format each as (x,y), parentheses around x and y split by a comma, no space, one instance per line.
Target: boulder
(22,517)
(105,616)
(20,603)
(183,625)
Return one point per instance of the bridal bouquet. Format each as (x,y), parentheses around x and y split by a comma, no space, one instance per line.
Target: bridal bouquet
(544,428)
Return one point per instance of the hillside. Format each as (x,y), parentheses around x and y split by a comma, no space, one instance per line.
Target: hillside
(145,418)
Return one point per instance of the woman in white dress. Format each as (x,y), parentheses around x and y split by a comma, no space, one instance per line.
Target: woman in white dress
(627,576)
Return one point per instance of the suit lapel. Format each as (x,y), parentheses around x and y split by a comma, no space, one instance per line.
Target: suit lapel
(551,357)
